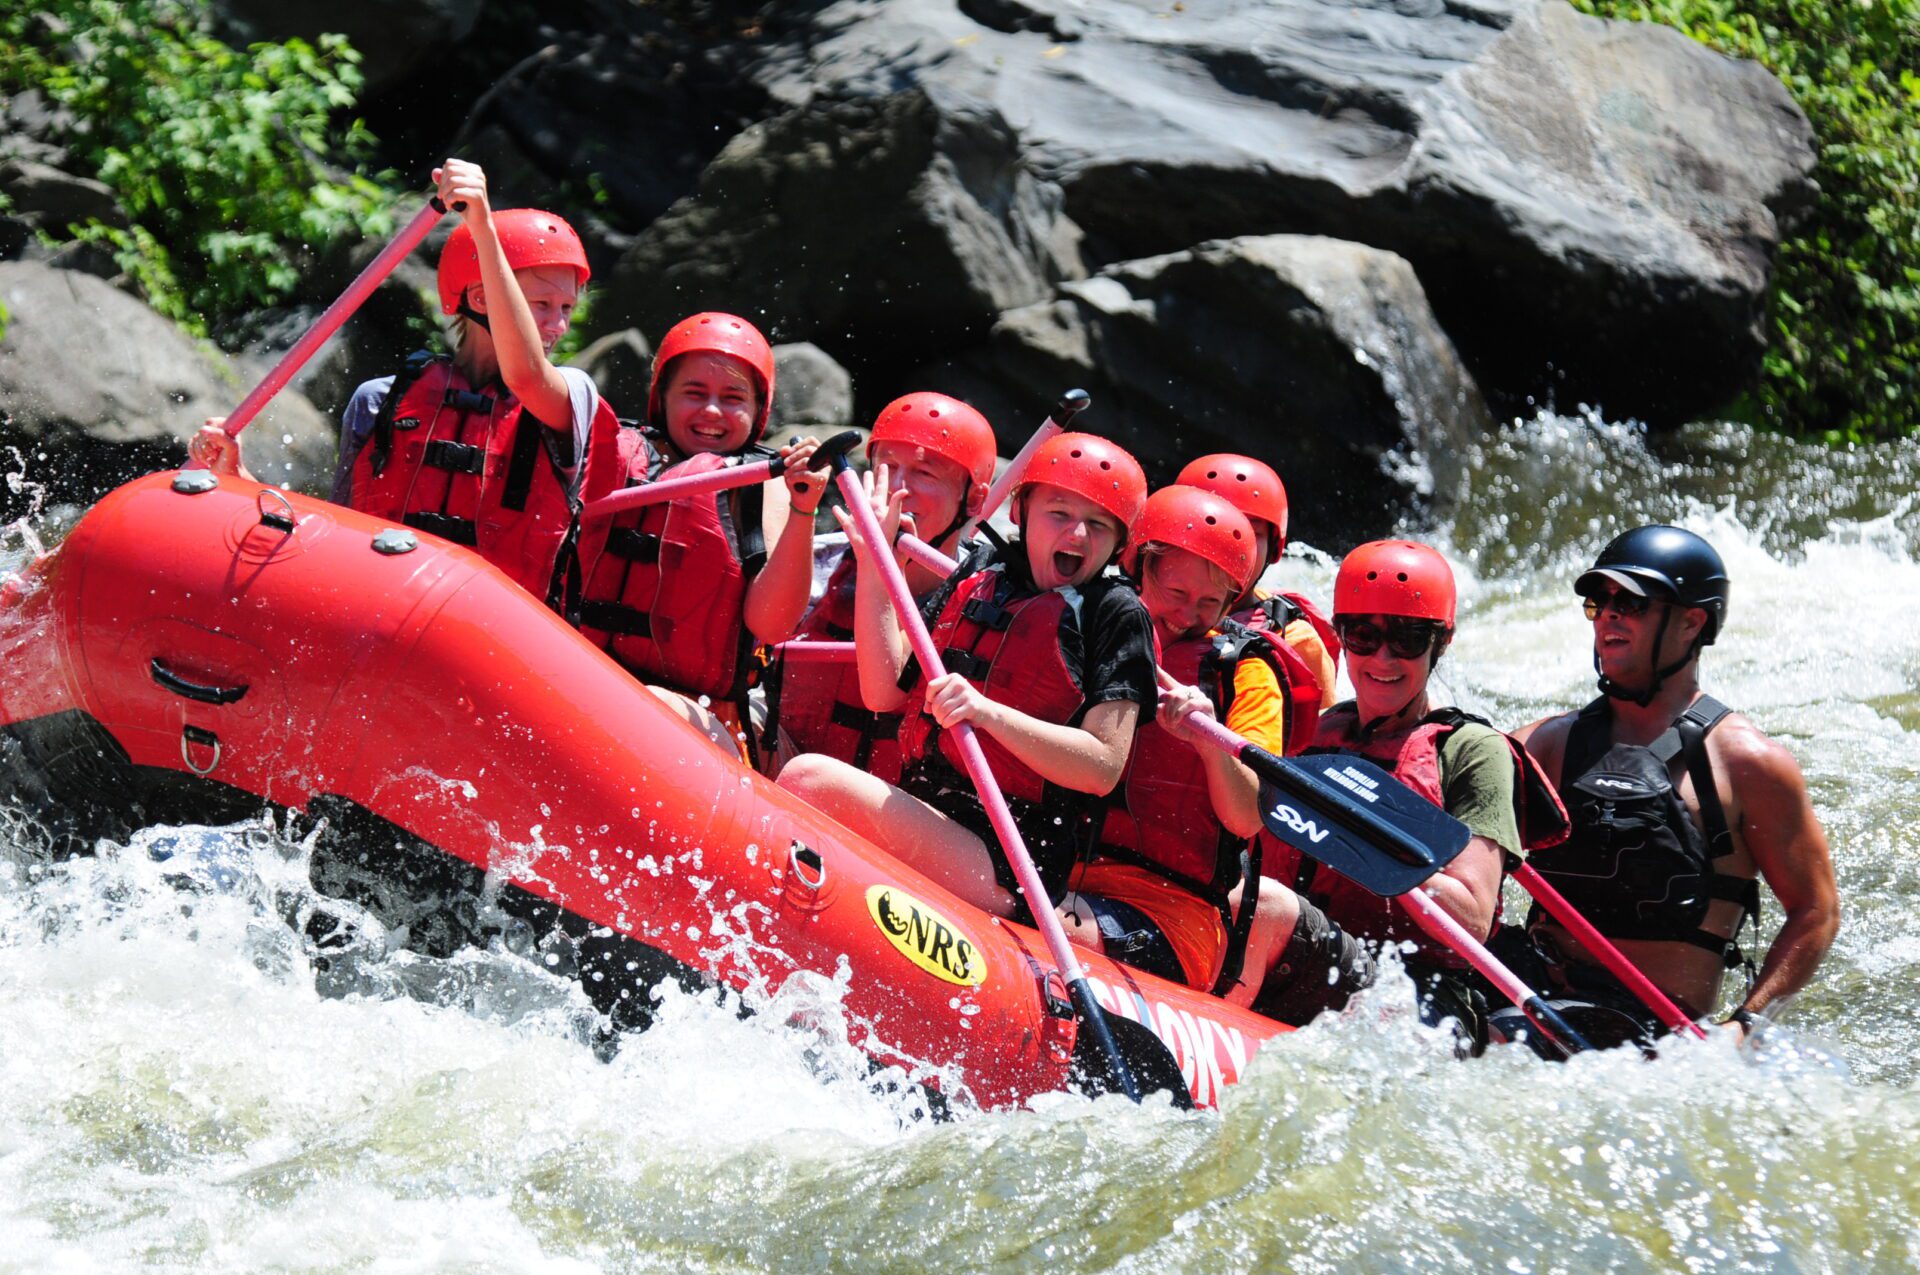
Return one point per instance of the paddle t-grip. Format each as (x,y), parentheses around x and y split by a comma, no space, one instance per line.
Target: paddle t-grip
(834,451)
(1071,404)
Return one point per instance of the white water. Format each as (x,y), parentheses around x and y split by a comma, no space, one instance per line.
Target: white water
(178,1090)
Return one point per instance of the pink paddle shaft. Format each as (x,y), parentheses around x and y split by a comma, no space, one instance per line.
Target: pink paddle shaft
(976,760)
(1416,901)
(653,493)
(1003,485)
(329,322)
(1610,956)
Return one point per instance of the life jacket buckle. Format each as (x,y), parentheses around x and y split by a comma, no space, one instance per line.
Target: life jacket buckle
(965,663)
(987,613)
(468,402)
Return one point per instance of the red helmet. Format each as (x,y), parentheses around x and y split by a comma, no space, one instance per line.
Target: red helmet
(1094,468)
(530,237)
(714,333)
(946,427)
(1395,577)
(1202,523)
(1252,486)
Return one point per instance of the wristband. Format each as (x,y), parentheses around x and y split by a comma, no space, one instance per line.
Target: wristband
(1746,1018)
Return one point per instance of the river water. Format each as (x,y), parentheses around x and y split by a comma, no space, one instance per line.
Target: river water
(180,1089)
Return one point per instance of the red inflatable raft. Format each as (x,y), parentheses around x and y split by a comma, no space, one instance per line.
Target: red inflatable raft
(196,647)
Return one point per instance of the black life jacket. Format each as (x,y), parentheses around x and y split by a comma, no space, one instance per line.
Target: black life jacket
(1636,864)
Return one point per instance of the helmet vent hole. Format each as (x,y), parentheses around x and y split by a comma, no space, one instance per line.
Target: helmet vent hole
(1403,577)
(1373,575)
(1106,464)
(1212,521)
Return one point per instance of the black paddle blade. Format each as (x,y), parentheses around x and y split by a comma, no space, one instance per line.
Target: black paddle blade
(1349,814)
(1146,1056)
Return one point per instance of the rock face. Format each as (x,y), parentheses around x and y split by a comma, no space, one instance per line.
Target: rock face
(812,392)
(396,38)
(106,389)
(1550,176)
(892,229)
(1320,356)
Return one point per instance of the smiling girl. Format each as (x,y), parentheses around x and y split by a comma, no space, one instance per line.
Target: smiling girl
(679,592)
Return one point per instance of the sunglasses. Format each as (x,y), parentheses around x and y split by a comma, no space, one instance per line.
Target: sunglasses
(1628,606)
(1407,639)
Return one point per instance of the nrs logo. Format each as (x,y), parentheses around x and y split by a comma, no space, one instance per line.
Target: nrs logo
(1299,823)
(925,937)
(1614,783)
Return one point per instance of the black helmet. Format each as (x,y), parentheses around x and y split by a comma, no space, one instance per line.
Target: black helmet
(1668,561)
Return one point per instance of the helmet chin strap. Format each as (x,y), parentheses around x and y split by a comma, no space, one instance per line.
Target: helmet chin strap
(472,315)
(1614,690)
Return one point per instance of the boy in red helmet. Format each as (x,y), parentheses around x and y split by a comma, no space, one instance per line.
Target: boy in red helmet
(940,452)
(1156,890)
(494,447)
(1256,491)
(1394,608)
(680,591)
(1049,659)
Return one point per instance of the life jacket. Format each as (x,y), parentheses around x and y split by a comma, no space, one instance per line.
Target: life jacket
(1161,818)
(1636,864)
(455,461)
(663,588)
(1306,697)
(819,704)
(1006,641)
(1413,756)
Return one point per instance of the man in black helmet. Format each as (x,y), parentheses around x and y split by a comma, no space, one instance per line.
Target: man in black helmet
(1679,807)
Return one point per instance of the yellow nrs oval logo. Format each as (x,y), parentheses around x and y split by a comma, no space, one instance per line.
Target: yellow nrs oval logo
(925,937)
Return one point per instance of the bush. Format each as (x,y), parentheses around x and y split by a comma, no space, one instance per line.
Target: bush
(1845,306)
(223,159)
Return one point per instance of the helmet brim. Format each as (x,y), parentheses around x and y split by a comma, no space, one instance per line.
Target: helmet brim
(1640,584)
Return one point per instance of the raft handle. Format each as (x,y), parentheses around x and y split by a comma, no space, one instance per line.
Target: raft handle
(195,690)
(803,859)
(191,735)
(279,522)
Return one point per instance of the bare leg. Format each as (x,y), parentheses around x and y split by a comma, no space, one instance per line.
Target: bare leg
(1273,921)
(906,827)
(1083,929)
(701,719)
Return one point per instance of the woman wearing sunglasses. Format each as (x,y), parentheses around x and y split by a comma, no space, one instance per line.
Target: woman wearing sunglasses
(1393,607)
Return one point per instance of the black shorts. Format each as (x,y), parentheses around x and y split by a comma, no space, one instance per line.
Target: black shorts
(1593,1001)
(1320,968)
(1054,838)
(1130,936)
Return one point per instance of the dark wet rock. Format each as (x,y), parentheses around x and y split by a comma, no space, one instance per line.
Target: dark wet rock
(812,392)
(397,39)
(52,199)
(1321,357)
(890,230)
(98,389)
(621,364)
(1593,206)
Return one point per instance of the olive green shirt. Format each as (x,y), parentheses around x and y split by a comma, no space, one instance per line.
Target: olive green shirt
(1477,778)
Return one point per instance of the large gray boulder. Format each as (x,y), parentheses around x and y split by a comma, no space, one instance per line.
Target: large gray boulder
(398,40)
(1320,357)
(890,229)
(95,389)
(1593,206)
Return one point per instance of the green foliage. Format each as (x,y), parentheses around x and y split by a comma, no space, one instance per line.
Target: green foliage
(223,159)
(1845,355)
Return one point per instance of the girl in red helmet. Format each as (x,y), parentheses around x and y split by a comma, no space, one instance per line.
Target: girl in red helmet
(679,592)
(1049,658)
(940,452)
(1156,892)
(1256,491)
(1394,608)
(494,447)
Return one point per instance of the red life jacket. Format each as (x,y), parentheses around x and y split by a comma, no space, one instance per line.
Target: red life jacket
(1413,755)
(664,587)
(1300,684)
(819,703)
(1009,647)
(454,461)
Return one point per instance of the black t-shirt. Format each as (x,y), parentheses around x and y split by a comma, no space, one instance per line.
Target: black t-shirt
(1106,641)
